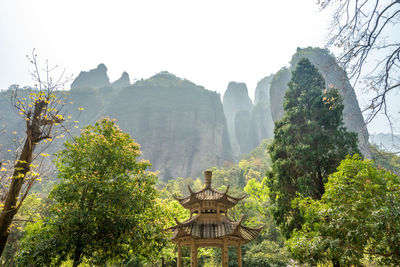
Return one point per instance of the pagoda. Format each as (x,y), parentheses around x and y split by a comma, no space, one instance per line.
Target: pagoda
(209,224)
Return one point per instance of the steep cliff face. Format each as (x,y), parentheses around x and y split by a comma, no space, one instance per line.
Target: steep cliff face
(95,78)
(261,115)
(248,124)
(180,126)
(333,75)
(236,99)
(277,92)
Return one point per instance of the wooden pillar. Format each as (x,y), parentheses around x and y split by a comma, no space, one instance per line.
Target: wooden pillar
(179,261)
(193,248)
(239,255)
(225,255)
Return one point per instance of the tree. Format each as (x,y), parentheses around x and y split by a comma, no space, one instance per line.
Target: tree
(358,216)
(365,31)
(265,254)
(104,207)
(42,111)
(310,141)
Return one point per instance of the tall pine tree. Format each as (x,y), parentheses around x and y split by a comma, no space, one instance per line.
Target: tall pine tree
(310,142)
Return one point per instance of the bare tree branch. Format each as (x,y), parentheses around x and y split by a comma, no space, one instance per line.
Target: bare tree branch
(360,31)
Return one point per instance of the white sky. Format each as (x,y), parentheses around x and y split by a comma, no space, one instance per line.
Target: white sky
(208,42)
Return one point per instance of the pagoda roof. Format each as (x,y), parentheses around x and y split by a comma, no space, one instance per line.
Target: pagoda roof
(214,229)
(208,193)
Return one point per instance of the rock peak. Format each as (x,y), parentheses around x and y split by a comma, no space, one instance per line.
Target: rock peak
(96,78)
(124,81)
(236,101)
(236,88)
(102,67)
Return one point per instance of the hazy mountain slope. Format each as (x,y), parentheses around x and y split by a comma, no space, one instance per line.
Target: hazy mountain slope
(181,126)
(386,142)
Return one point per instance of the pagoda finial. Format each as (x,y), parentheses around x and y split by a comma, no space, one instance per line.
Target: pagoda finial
(190,190)
(208,178)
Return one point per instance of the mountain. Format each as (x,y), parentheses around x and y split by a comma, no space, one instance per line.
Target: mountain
(237,108)
(262,116)
(95,78)
(386,142)
(124,81)
(248,123)
(334,76)
(180,126)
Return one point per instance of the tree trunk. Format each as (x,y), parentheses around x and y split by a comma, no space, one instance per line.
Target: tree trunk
(320,185)
(335,263)
(77,254)
(21,168)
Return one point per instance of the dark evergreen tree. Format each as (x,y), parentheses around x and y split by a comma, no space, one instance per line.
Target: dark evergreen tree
(310,142)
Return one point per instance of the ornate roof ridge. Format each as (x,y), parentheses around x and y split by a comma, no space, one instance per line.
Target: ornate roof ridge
(208,187)
(182,224)
(251,228)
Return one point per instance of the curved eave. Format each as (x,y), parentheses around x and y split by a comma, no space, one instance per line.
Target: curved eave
(200,230)
(248,234)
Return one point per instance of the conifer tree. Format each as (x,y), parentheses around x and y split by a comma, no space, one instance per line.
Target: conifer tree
(310,142)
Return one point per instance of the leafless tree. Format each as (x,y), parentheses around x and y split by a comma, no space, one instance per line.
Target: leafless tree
(362,31)
(42,109)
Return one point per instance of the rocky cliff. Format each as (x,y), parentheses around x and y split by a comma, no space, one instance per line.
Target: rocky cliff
(333,75)
(261,114)
(248,124)
(180,126)
(237,108)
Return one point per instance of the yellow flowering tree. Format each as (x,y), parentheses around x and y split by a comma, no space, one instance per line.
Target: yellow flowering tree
(42,108)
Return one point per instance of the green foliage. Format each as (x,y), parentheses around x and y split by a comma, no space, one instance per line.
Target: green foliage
(358,216)
(34,208)
(104,207)
(265,254)
(310,141)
